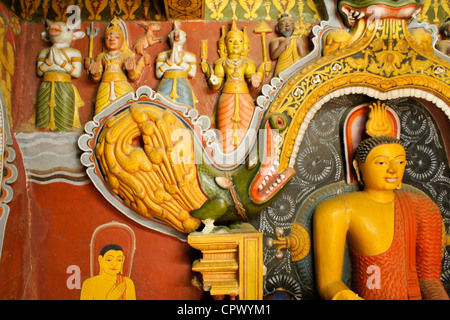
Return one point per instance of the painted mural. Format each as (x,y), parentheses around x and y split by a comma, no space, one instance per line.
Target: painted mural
(142,140)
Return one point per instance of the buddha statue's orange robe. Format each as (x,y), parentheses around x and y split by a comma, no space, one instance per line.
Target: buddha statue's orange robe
(411,266)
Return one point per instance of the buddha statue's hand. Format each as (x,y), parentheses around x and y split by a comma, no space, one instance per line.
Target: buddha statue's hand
(265,68)
(116,291)
(87,63)
(346,295)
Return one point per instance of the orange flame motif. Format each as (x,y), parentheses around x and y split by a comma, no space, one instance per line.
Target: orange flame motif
(379,123)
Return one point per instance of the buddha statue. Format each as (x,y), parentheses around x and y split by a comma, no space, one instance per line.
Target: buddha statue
(394,236)
(110,283)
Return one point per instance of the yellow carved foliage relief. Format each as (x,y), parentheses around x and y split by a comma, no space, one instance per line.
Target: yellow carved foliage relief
(252,11)
(216,7)
(384,57)
(156,177)
(434,11)
(95,8)
(284,6)
(250,7)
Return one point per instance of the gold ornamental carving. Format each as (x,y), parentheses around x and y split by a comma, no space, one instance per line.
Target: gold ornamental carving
(384,57)
(129,8)
(284,6)
(298,242)
(29,7)
(60,8)
(95,8)
(185,10)
(250,7)
(147,159)
(433,6)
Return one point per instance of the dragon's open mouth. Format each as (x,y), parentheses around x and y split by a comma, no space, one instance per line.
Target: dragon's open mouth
(269,181)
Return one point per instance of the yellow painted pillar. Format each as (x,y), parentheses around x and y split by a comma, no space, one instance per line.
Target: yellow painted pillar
(232,263)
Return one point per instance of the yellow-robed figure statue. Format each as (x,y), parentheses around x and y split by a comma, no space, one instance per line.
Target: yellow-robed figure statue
(394,236)
(114,66)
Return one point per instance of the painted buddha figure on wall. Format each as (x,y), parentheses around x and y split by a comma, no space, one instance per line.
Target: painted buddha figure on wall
(394,236)
(110,283)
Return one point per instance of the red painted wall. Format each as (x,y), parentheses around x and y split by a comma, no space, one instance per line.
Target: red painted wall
(50,226)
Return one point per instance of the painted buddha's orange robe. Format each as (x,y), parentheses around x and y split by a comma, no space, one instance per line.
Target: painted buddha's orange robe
(413,262)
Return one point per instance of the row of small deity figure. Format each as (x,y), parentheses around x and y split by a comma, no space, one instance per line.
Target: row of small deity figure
(116,66)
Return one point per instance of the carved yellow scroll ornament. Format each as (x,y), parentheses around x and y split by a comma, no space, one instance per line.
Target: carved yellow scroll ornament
(146,156)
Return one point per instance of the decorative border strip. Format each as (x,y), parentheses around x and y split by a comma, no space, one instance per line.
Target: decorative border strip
(7,156)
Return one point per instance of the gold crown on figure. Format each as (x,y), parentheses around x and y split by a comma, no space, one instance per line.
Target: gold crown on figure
(234,30)
(115,26)
(118,25)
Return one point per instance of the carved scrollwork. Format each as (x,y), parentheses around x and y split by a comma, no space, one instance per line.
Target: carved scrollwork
(298,242)
(146,156)
(383,59)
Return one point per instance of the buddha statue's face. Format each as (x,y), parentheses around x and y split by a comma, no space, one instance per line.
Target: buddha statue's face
(235,43)
(111,262)
(113,41)
(384,167)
